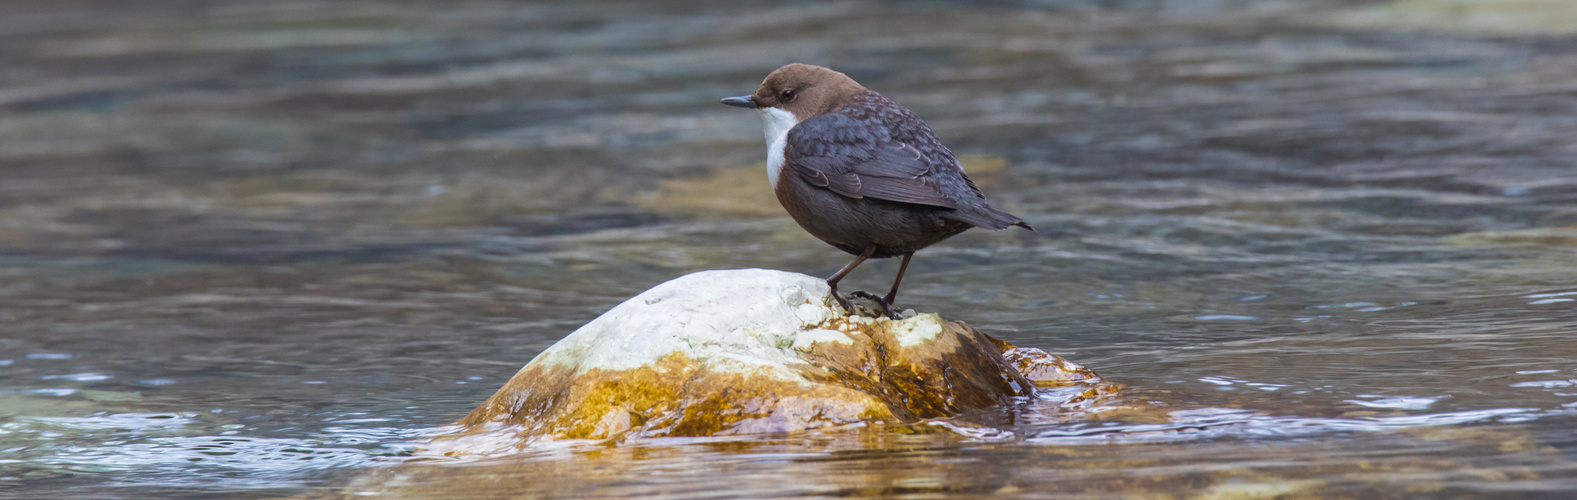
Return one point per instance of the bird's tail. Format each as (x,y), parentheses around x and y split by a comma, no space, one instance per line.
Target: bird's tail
(987,217)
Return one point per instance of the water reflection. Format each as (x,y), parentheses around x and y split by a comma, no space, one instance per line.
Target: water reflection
(884,464)
(1326,247)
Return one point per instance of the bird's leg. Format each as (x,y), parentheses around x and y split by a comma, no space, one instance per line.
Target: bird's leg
(833,281)
(887,301)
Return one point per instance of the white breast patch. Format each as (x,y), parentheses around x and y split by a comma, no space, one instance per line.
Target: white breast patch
(778,122)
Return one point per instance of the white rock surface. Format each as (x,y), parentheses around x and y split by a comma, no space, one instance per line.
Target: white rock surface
(683,316)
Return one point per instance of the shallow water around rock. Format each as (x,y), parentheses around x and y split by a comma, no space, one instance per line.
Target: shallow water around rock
(257,249)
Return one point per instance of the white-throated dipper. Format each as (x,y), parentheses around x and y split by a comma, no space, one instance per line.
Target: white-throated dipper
(861,172)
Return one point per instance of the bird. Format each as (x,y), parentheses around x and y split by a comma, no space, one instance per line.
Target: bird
(863,173)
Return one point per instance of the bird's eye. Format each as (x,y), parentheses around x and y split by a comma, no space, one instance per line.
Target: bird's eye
(786,95)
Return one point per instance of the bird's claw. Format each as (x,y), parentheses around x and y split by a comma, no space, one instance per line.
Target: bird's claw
(843,301)
(887,305)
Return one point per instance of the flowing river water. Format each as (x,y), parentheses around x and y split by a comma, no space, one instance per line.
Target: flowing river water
(259,249)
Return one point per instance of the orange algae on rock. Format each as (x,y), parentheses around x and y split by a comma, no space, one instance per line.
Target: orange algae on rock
(955,370)
(678,397)
(754,351)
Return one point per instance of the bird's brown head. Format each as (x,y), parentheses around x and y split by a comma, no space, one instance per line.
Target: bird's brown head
(801,89)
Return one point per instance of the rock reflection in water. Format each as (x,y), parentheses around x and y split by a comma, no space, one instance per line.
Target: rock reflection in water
(879,463)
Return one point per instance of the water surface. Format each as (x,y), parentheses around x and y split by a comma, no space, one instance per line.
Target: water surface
(260,249)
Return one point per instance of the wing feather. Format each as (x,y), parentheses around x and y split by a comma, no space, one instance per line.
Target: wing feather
(846,156)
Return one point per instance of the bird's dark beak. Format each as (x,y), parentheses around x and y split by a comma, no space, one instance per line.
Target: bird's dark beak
(743,101)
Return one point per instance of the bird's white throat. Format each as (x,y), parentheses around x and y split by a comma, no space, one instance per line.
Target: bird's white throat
(778,122)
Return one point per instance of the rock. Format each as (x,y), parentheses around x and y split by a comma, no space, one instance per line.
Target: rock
(1046,369)
(1043,368)
(753,351)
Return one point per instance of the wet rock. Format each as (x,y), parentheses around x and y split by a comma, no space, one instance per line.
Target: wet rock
(1048,370)
(1043,368)
(753,351)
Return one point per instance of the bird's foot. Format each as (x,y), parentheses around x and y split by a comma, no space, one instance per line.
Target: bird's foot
(885,303)
(842,301)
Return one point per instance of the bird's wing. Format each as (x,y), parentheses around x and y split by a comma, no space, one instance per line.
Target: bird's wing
(859,160)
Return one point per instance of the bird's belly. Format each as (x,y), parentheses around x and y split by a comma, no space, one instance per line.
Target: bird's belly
(854,225)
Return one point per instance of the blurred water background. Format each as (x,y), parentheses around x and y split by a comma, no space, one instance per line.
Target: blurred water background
(255,249)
